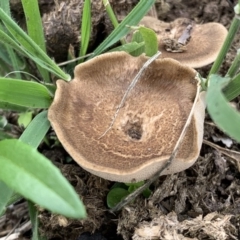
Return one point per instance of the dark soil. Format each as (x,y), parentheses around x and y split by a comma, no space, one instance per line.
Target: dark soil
(202,202)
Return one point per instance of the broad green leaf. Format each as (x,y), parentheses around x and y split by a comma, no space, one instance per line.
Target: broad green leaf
(6,193)
(150,40)
(232,90)
(221,112)
(137,37)
(24,93)
(119,185)
(115,195)
(32,175)
(133,186)
(122,29)
(85,28)
(146,192)
(35,29)
(128,47)
(13,107)
(36,130)
(24,118)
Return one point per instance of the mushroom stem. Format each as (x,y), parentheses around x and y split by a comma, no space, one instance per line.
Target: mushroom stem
(138,191)
(130,87)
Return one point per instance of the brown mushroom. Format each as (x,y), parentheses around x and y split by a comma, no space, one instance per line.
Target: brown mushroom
(195,45)
(147,126)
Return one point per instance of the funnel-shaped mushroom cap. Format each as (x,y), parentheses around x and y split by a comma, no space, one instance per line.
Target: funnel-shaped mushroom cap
(191,44)
(147,127)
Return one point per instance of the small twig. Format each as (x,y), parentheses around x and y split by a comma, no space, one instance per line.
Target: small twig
(13,236)
(186,35)
(26,73)
(130,87)
(231,5)
(24,227)
(138,191)
(234,155)
(74,60)
(13,229)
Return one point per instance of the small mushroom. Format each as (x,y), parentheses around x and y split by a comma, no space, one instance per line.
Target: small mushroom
(195,45)
(146,128)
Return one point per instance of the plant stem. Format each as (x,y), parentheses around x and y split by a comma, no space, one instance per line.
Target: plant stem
(227,43)
(234,66)
(112,16)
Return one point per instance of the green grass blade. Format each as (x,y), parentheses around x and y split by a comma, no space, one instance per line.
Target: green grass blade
(5,39)
(232,90)
(112,16)
(133,18)
(24,93)
(15,61)
(36,130)
(33,213)
(85,29)
(234,66)
(34,23)
(34,51)
(221,112)
(5,6)
(6,194)
(235,24)
(110,13)
(13,56)
(35,29)
(33,176)
(4,68)
(4,55)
